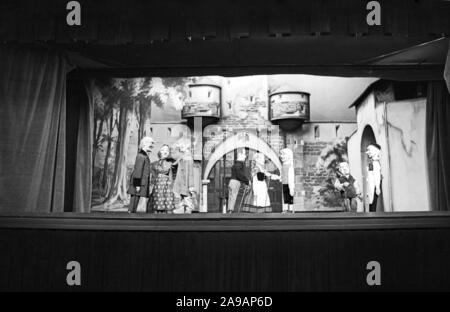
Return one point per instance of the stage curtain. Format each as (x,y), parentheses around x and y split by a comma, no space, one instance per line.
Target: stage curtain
(32,129)
(83,166)
(438,144)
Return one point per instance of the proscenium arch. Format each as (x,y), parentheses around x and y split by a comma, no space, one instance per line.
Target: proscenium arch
(241,141)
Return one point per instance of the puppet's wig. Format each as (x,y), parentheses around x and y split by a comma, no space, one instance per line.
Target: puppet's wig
(146,143)
(287,156)
(183,145)
(258,158)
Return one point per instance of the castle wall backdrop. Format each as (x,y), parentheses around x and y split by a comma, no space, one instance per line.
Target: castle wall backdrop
(168,109)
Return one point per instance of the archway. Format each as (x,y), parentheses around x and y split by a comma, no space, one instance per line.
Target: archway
(241,140)
(368,137)
(217,171)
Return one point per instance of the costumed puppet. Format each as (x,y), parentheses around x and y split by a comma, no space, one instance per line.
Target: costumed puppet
(287,179)
(161,199)
(183,185)
(348,186)
(373,175)
(140,177)
(239,177)
(257,200)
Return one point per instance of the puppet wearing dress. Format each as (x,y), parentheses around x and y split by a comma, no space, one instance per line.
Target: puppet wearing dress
(161,199)
(287,179)
(258,200)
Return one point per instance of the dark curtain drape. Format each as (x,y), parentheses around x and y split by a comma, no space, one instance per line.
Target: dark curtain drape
(46,143)
(83,162)
(32,129)
(438,144)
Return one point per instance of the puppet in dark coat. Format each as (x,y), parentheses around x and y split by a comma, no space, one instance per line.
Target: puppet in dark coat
(140,177)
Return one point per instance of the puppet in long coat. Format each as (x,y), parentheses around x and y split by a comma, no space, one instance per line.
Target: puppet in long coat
(140,177)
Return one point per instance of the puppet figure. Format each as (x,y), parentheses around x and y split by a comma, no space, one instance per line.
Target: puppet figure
(348,186)
(373,175)
(239,178)
(287,179)
(257,200)
(140,177)
(161,199)
(183,184)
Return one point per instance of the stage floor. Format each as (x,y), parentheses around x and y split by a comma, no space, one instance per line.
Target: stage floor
(123,221)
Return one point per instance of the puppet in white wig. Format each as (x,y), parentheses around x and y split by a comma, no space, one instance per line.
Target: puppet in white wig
(287,179)
(140,177)
(373,176)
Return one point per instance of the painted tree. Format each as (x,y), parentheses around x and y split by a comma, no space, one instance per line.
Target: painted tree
(105,100)
(143,106)
(99,118)
(333,155)
(159,91)
(134,100)
(329,160)
(108,137)
(127,90)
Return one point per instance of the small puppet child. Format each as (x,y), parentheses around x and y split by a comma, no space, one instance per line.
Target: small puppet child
(287,179)
(348,186)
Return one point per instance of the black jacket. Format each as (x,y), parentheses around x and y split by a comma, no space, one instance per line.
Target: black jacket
(140,175)
(240,172)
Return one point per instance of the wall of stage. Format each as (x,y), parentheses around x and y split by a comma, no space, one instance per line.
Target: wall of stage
(319,253)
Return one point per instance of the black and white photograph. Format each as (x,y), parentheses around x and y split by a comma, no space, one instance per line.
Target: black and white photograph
(219,147)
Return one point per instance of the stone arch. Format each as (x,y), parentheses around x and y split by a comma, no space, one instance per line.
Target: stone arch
(241,140)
